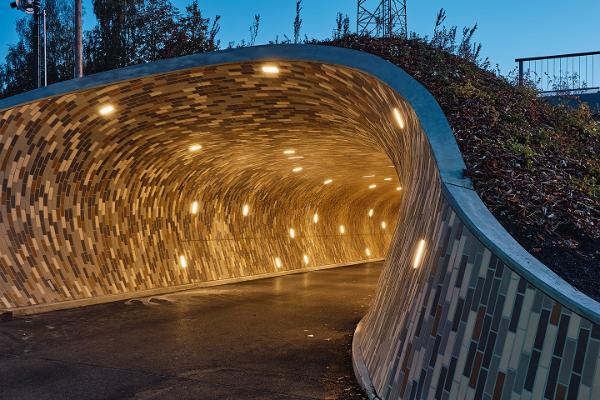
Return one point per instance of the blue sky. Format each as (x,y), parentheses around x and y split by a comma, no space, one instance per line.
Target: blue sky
(507,29)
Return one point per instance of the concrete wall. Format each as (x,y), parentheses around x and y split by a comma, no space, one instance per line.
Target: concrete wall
(105,204)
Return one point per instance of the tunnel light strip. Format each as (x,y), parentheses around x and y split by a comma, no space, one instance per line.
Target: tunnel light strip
(316,218)
(419,253)
(289,151)
(292,233)
(371,212)
(383,225)
(270,69)
(387,179)
(194,209)
(373,186)
(399,188)
(182,261)
(342,229)
(278,263)
(368,252)
(245,210)
(195,147)
(305,258)
(106,109)
(399,119)
(327,181)
(298,169)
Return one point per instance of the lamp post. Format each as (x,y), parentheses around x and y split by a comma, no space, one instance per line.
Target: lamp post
(34,7)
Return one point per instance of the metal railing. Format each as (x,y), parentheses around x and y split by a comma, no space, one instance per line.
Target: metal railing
(573,73)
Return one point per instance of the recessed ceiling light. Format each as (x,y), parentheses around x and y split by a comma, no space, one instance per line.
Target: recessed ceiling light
(399,188)
(270,69)
(289,152)
(387,179)
(194,207)
(195,147)
(297,169)
(278,262)
(373,186)
(305,257)
(368,252)
(383,225)
(399,119)
(292,233)
(106,109)
(316,218)
(342,229)
(371,212)
(327,181)
(296,158)
(245,210)
(182,261)
(369,176)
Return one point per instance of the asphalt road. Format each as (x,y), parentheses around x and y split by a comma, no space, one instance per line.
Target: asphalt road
(279,338)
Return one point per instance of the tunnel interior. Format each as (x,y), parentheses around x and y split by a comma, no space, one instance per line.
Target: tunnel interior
(205,174)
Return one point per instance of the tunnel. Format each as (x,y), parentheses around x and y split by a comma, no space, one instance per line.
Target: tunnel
(269,160)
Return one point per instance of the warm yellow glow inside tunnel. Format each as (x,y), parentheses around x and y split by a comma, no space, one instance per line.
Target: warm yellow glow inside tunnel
(200,175)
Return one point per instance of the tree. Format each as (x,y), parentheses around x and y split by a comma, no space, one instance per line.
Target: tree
(18,71)
(342,28)
(194,34)
(297,21)
(158,29)
(254,29)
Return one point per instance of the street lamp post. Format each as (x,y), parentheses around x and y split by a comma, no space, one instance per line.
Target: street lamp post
(34,7)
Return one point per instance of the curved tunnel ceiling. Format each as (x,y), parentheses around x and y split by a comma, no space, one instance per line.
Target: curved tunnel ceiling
(266,160)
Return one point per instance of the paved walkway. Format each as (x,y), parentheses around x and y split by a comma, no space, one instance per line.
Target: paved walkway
(280,338)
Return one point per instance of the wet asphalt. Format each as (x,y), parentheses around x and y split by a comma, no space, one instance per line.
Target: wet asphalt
(280,338)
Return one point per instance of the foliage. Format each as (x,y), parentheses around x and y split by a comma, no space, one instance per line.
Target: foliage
(297,21)
(127,32)
(18,72)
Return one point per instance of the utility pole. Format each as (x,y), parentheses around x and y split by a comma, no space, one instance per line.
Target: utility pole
(78,47)
(387,18)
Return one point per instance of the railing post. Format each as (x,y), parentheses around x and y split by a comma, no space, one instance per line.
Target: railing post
(520,73)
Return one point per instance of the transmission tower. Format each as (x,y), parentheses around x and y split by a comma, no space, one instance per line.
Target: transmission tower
(386,20)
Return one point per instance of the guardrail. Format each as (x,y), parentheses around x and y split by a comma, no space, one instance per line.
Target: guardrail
(573,73)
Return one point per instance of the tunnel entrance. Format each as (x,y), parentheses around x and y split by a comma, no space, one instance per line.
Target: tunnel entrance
(202,175)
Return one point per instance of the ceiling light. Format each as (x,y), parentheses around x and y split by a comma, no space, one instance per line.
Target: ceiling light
(399,119)
(342,229)
(296,158)
(399,188)
(182,261)
(245,210)
(316,218)
(278,262)
(289,152)
(270,69)
(369,176)
(297,169)
(196,147)
(327,181)
(368,252)
(383,225)
(106,109)
(419,254)
(292,233)
(387,179)
(305,257)
(373,186)
(194,207)
(371,212)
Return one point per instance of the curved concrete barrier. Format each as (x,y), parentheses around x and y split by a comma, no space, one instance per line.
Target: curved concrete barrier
(107,193)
